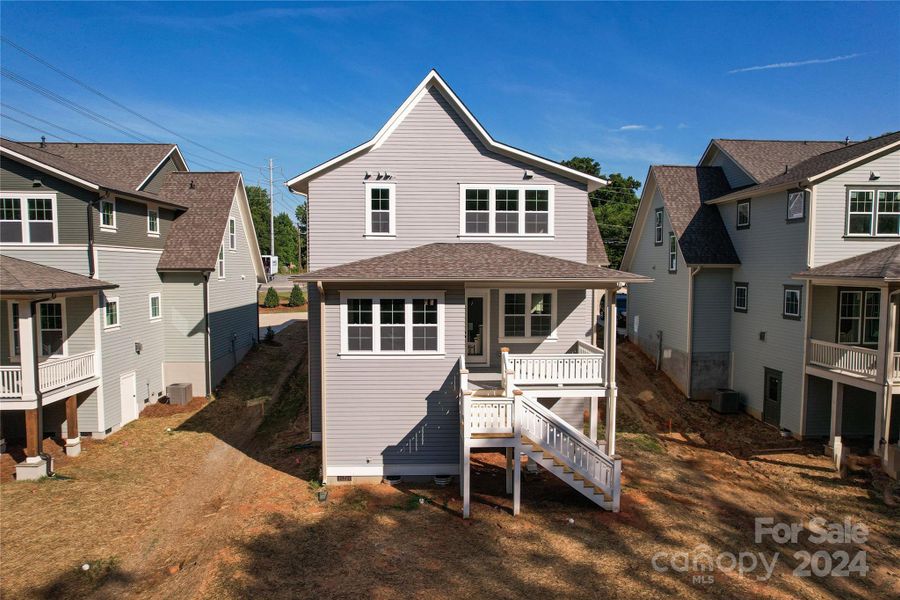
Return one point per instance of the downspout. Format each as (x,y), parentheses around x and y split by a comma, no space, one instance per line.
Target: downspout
(322,354)
(690,331)
(256,299)
(92,270)
(39,396)
(206,358)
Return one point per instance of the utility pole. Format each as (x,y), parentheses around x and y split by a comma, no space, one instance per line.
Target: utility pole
(271,211)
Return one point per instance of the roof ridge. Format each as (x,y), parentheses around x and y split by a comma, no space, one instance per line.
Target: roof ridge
(97,143)
(779,141)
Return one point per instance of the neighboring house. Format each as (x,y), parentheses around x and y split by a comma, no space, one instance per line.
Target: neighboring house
(124,273)
(775,267)
(453,289)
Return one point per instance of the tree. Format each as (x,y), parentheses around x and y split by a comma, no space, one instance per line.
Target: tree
(285,240)
(272,300)
(297,298)
(259,211)
(302,225)
(615,206)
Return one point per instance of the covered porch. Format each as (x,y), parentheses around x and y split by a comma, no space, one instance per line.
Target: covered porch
(49,354)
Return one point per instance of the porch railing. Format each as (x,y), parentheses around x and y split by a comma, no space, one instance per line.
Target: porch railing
(53,373)
(494,416)
(851,359)
(896,371)
(585,365)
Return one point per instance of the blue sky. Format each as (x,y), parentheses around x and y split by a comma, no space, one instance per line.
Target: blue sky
(628,84)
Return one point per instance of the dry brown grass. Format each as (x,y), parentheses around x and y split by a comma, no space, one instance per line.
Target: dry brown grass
(250,526)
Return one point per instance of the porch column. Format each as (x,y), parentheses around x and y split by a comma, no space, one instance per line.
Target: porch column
(27,351)
(510,453)
(31,434)
(609,348)
(890,342)
(837,413)
(517,479)
(73,440)
(33,467)
(883,368)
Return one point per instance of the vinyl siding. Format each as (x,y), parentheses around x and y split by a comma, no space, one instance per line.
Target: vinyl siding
(183,326)
(430,154)
(131,226)
(663,304)
(712,311)
(831,210)
(771,252)
(393,411)
(67,258)
(154,184)
(233,322)
(135,272)
(733,173)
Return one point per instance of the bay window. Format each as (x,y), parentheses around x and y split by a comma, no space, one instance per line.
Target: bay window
(506,210)
(392,323)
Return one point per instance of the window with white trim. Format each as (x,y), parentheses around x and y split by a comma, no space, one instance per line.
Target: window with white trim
(15,341)
(743,215)
(52,336)
(232,234)
(673,253)
(528,314)
(392,323)
(220,262)
(858,317)
(888,219)
(791,302)
(871,314)
(155,301)
(796,206)
(741,297)
(381,209)
(28,218)
(111,313)
(506,210)
(658,227)
(152,220)
(107,214)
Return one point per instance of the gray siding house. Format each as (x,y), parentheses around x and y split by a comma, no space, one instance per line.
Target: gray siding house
(123,273)
(454,286)
(778,264)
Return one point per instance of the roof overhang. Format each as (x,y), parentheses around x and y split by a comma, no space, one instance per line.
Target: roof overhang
(300,183)
(879,282)
(484,282)
(57,292)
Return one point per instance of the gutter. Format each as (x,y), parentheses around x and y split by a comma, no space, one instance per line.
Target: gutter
(92,270)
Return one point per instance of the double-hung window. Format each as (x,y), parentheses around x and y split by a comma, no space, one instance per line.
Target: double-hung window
(232,234)
(28,218)
(872,212)
(888,219)
(392,323)
(658,227)
(107,214)
(381,209)
(792,298)
(858,315)
(111,313)
(673,253)
(743,215)
(528,314)
(155,306)
(741,296)
(152,221)
(506,210)
(51,328)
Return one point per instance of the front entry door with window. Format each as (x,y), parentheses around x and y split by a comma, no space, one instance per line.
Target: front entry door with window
(128,391)
(477,326)
(772,398)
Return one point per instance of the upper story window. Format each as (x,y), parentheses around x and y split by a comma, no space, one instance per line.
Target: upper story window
(152,220)
(673,253)
(741,296)
(28,218)
(107,214)
(528,314)
(796,206)
(392,323)
(232,234)
(873,213)
(220,262)
(155,306)
(658,227)
(381,209)
(743,215)
(506,210)
(111,313)
(791,305)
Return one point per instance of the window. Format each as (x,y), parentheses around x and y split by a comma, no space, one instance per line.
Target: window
(152,221)
(791,308)
(673,253)
(380,209)
(232,234)
(506,210)
(888,220)
(51,326)
(14,328)
(796,206)
(111,313)
(27,218)
(658,227)
(529,314)
(395,323)
(107,214)
(870,317)
(155,307)
(743,214)
(477,211)
(220,262)
(741,297)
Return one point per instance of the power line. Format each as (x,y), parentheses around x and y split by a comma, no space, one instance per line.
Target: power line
(46,122)
(38,129)
(119,104)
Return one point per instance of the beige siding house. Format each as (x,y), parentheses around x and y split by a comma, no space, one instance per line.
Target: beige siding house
(454,288)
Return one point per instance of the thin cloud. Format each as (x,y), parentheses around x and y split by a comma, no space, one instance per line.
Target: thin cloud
(635,127)
(798,63)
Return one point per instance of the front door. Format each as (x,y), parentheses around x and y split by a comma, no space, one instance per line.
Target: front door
(772,398)
(128,391)
(477,326)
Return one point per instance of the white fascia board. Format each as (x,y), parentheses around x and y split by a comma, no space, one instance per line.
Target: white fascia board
(161,163)
(638,226)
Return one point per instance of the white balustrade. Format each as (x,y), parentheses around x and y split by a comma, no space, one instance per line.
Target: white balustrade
(851,359)
(10,382)
(493,416)
(535,369)
(55,373)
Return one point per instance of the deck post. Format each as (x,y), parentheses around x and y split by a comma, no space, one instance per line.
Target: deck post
(617,482)
(837,412)
(73,441)
(466,479)
(517,478)
(31,433)
(509,470)
(593,417)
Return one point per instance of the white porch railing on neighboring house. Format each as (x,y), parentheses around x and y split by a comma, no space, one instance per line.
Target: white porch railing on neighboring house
(53,373)
(10,382)
(585,365)
(840,357)
(896,367)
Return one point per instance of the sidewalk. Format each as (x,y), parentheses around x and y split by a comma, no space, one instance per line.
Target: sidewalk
(278,321)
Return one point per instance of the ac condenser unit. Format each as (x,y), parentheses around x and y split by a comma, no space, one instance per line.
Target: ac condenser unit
(179,393)
(726,402)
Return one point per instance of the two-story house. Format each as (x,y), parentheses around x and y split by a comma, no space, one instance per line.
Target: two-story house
(122,273)
(778,263)
(454,285)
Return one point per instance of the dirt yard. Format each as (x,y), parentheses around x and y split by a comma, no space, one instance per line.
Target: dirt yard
(217,501)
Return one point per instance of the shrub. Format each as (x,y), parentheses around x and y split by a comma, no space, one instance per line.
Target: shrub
(296,298)
(272,300)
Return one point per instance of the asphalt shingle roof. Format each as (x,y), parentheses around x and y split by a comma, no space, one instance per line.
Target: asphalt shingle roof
(596,251)
(699,228)
(19,276)
(878,264)
(194,239)
(467,262)
(764,159)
